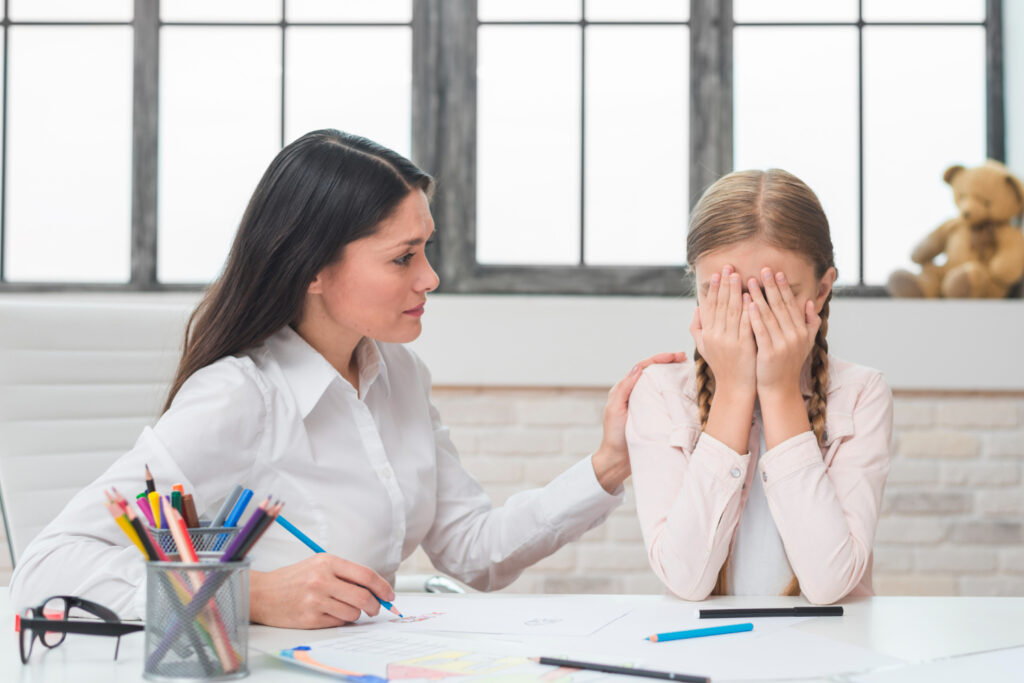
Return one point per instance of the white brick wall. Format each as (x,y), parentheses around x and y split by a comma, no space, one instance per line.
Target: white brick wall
(953,512)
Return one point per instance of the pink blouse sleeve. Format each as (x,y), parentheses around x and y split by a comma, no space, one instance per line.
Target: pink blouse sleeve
(688,489)
(826,509)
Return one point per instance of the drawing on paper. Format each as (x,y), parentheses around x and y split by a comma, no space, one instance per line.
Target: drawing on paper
(429,660)
(417,618)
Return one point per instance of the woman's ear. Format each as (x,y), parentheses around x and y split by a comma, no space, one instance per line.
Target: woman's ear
(824,288)
(317,285)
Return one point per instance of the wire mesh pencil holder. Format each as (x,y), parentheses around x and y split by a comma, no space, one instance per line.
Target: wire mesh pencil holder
(205,538)
(197,620)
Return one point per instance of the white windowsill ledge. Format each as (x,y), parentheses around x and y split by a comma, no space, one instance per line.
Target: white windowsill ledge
(964,345)
(563,341)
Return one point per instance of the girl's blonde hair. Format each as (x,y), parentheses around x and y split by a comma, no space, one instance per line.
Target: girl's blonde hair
(779,209)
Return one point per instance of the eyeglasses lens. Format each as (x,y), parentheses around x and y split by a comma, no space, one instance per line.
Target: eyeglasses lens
(55,609)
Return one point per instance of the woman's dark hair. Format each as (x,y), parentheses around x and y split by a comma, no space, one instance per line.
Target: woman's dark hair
(321,192)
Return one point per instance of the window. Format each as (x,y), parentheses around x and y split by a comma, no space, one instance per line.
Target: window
(569,137)
(854,98)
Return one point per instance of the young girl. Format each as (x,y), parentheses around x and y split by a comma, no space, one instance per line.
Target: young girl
(295,381)
(759,467)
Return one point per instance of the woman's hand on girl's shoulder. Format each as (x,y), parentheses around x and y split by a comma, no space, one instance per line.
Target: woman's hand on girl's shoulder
(319,592)
(611,461)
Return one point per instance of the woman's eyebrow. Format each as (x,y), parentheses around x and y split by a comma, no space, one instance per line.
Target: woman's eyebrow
(416,241)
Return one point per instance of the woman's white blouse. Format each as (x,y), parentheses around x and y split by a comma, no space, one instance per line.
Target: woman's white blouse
(369,476)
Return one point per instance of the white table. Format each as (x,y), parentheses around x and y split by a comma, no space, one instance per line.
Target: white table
(937,635)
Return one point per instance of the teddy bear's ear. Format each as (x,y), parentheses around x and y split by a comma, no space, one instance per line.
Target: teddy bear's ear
(951,173)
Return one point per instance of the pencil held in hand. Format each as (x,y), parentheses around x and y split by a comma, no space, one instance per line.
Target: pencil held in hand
(312,545)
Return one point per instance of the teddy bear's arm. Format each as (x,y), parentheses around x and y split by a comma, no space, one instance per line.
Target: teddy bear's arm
(934,243)
(1007,266)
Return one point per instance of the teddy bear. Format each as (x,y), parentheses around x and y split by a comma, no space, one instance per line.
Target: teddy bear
(984,249)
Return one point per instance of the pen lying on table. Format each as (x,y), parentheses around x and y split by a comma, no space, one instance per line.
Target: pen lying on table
(623,670)
(750,613)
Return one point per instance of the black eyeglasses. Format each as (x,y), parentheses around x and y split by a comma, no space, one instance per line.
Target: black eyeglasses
(51,622)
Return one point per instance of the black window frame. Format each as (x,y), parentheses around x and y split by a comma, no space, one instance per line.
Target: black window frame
(444,53)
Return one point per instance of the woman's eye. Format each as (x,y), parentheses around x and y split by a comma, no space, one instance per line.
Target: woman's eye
(404,260)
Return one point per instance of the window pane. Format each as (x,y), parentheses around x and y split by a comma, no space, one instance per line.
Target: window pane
(349,10)
(638,10)
(69,152)
(800,114)
(529,10)
(636,145)
(912,134)
(372,101)
(220,118)
(528,145)
(220,10)
(795,10)
(924,10)
(71,10)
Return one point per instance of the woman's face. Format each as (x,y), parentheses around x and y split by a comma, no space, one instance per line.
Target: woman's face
(379,286)
(750,257)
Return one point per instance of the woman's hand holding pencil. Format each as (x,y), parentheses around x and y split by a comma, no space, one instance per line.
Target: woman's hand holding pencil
(318,592)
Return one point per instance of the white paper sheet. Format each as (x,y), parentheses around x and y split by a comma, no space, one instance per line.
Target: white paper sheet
(1000,666)
(575,615)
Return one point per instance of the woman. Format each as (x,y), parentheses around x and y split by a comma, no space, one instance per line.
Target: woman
(294,382)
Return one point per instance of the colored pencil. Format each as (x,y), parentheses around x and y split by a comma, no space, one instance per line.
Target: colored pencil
(700,632)
(236,512)
(225,508)
(189,511)
(150,484)
(176,500)
(154,504)
(623,670)
(179,533)
(312,545)
(147,509)
(122,521)
(269,512)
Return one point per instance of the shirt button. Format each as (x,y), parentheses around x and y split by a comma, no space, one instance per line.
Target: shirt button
(386,473)
(764,476)
(735,472)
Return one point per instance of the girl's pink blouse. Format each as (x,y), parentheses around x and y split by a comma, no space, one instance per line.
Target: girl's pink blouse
(691,488)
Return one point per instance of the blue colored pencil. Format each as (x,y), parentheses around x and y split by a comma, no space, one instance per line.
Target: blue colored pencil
(700,632)
(236,512)
(312,545)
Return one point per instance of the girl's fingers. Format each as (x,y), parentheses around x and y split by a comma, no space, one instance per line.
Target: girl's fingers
(761,335)
(745,329)
(773,333)
(811,318)
(774,297)
(735,309)
(788,300)
(722,302)
(710,303)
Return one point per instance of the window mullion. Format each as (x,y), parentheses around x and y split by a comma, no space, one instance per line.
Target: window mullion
(995,103)
(444,128)
(144,143)
(711,128)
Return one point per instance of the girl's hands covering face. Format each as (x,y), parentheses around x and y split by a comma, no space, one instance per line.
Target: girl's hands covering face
(721,329)
(784,330)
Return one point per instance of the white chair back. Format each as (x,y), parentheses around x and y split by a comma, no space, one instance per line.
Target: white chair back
(78,382)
